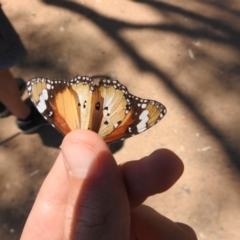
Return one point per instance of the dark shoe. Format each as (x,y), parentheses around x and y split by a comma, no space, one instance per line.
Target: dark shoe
(32,123)
(4,112)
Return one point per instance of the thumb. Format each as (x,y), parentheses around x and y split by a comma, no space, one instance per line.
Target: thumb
(97,206)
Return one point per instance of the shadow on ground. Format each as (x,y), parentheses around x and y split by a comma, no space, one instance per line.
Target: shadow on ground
(198,27)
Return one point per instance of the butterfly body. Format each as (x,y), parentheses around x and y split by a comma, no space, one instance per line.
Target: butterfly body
(107,108)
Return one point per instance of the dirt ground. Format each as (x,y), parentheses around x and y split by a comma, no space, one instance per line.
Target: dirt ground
(185,54)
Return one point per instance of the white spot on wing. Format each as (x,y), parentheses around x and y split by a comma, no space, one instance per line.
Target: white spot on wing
(41,106)
(144,105)
(144,119)
(45,94)
(108,101)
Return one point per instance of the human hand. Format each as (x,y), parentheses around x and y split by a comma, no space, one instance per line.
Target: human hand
(87,196)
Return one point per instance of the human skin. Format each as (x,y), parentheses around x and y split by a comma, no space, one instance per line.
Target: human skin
(87,196)
(10,95)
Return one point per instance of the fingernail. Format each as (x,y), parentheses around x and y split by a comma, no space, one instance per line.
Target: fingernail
(80,159)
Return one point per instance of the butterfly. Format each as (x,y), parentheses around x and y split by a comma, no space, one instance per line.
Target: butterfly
(107,108)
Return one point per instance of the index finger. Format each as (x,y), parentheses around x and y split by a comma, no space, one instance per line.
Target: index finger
(150,175)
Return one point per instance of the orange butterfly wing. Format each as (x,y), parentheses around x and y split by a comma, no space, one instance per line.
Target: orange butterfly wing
(108,109)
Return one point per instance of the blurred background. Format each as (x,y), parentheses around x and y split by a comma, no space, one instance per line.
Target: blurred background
(184,54)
